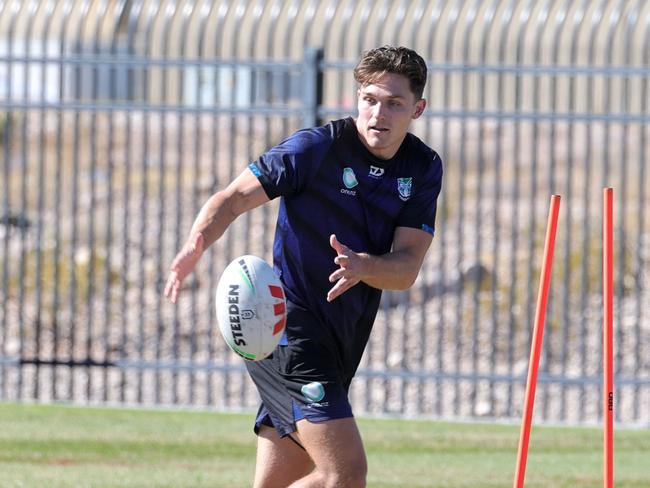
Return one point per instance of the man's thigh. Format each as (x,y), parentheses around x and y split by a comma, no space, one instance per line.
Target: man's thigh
(335,446)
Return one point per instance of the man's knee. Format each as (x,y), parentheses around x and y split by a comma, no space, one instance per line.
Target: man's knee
(352,475)
(337,451)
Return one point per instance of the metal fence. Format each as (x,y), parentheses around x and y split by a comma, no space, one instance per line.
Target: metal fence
(119,118)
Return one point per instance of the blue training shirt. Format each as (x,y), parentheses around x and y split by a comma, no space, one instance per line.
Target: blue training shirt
(331,184)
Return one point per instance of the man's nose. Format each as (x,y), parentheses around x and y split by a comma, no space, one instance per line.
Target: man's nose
(379,110)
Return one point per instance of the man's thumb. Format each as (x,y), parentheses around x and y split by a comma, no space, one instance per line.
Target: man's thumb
(334,242)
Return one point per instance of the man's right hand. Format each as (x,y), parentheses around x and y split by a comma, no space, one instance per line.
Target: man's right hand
(183,265)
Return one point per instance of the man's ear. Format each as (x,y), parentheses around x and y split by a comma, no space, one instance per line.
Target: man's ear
(420,105)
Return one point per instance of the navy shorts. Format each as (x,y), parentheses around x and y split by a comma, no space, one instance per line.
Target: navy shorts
(302,379)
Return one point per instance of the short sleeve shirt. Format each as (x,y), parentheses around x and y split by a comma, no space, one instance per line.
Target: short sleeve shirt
(329,183)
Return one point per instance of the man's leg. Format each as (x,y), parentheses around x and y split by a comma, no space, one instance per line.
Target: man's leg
(280,461)
(337,451)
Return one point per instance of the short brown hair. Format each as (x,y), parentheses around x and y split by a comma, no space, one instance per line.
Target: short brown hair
(389,59)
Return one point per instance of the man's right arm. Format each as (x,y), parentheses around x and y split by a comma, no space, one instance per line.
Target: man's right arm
(243,194)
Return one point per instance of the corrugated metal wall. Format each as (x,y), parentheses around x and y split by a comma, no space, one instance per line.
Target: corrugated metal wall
(120,118)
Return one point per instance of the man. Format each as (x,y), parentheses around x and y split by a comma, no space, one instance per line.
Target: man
(356,216)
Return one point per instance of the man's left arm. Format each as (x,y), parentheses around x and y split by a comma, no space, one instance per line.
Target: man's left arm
(395,270)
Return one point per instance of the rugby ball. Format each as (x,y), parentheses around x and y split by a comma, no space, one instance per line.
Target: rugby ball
(251,307)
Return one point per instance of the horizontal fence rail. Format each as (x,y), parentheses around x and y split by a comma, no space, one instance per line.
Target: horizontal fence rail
(119,118)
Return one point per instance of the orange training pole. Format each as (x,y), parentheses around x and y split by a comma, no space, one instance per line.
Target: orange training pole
(536,346)
(608,337)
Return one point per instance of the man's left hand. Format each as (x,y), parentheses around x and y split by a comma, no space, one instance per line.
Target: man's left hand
(351,269)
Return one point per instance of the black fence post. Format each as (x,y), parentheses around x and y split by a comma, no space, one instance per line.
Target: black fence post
(312,86)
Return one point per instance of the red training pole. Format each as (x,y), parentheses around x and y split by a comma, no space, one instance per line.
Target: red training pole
(608,337)
(536,346)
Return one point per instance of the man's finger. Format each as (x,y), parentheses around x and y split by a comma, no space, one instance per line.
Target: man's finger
(341,260)
(334,242)
(336,275)
(335,291)
(170,281)
(341,287)
(174,292)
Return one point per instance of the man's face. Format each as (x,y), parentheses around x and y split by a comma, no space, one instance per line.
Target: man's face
(386,108)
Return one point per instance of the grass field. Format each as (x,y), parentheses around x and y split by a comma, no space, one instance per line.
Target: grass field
(60,446)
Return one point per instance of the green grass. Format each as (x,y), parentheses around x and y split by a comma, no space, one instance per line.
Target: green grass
(60,446)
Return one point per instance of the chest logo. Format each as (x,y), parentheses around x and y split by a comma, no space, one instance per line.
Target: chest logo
(349,178)
(404,188)
(376,172)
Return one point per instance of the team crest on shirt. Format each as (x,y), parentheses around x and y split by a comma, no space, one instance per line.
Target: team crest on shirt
(404,188)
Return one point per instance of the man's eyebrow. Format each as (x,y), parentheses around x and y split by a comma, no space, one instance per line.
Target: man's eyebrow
(371,93)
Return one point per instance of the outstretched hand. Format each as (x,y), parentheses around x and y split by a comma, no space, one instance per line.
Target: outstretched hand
(350,272)
(183,265)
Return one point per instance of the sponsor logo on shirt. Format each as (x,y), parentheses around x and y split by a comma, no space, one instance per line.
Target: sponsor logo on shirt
(350,181)
(376,172)
(349,178)
(404,188)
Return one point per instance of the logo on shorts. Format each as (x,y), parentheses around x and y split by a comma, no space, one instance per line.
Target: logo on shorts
(314,392)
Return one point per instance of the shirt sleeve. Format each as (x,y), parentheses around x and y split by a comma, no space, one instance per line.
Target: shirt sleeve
(288,167)
(420,210)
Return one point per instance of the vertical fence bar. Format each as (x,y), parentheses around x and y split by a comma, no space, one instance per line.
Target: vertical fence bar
(143,215)
(58,201)
(7,132)
(642,222)
(312,86)
(628,21)
(516,196)
(108,316)
(485,17)
(92,210)
(555,24)
(446,149)
(586,225)
(217,142)
(40,184)
(608,337)
(30,10)
(204,13)
(578,17)
(506,15)
(232,128)
(460,230)
(535,96)
(438,391)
